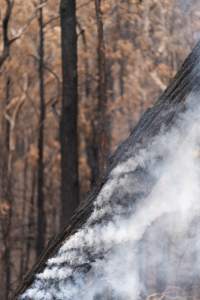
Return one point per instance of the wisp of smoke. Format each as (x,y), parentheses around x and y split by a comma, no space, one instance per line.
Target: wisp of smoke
(142,236)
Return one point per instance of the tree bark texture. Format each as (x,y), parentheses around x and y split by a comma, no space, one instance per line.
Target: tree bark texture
(41,222)
(69,114)
(101,123)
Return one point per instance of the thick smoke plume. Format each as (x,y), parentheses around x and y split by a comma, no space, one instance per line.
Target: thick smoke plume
(143,235)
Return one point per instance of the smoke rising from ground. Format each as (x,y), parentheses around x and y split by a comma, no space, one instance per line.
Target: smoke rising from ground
(142,236)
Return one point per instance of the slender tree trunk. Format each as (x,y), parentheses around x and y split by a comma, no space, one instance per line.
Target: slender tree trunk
(101,122)
(92,154)
(41,222)
(31,225)
(7,243)
(6,222)
(69,113)
(91,142)
(23,213)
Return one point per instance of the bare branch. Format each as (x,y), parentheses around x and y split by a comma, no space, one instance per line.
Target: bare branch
(5,24)
(26,26)
(12,118)
(51,20)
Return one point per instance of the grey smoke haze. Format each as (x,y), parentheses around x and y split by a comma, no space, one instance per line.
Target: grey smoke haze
(142,236)
(186,5)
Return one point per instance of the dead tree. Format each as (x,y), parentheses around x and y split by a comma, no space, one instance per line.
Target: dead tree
(41,223)
(6,193)
(69,113)
(101,124)
(162,115)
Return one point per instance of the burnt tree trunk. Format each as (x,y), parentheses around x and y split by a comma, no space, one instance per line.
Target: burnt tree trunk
(69,114)
(6,195)
(161,116)
(41,223)
(101,123)
(31,220)
(91,147)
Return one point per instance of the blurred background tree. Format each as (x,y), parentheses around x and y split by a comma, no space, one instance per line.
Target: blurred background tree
(127,51)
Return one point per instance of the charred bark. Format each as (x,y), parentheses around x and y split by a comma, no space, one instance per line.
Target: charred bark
(69,113)
(101,122)
(6,193)
(41,223)
(161,116)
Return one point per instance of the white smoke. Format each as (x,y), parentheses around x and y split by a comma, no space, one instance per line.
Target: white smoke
(129,249)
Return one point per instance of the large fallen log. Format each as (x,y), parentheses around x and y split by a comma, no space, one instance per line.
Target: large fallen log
(160,117)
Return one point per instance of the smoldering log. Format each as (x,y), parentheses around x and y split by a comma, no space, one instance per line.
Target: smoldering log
(160,117)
